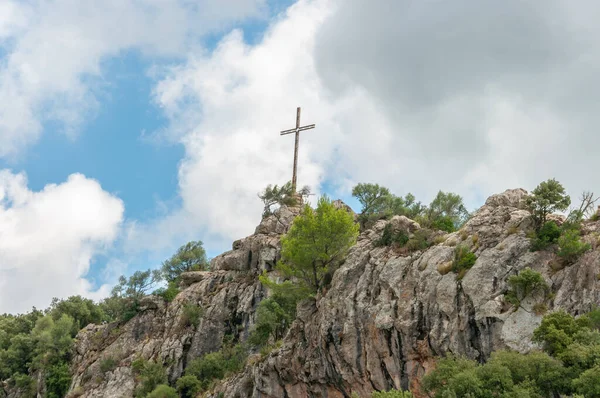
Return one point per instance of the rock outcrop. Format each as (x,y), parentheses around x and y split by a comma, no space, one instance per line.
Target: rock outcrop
(380,324)
(227,296)
(386,316)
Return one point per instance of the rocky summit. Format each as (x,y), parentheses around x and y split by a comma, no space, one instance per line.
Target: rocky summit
(380,324)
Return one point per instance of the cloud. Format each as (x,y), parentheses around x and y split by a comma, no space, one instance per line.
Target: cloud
(48,238)
(52,68)
(490,95)
(472,98)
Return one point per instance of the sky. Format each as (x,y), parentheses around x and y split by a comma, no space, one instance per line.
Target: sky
(129,127)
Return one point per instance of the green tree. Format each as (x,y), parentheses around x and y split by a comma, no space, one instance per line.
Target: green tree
(374,198)
(149,374)
(447,368)
(58,380)
(316,243)
(163,391)
(275,196)
(446,212)
(547,235)
(114,307)
(406,206)
(378,202)
(556,331)
(53,340)
(546,198)
(137,285)
(188,386)
(571,247)
(83,311)
(189,257)
(588,384)
(527,282)
(217,365)
(26,385)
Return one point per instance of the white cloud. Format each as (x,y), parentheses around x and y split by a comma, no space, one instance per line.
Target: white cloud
(419,97)
(55,50)
(48,238)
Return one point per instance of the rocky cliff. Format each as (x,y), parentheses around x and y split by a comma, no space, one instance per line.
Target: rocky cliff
(380,324)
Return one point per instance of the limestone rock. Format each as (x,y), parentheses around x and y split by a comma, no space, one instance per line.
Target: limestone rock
(386,316)
(380,325)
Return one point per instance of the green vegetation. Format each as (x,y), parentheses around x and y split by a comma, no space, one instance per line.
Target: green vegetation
(42,341)
(216,365)
(421,239)
(137,285)
(275,314)
(464,259)
(570,364)
(546,198)
(192,314)
(378,202)
(547,235)
(316,243)
(189,257)
(108,364)
(570,246)
(163,391)
(274,196)
(149,375)
(312,250)
(526,283)
(550,196)
(446,212)
(389,237)
(169,293)
(188,386)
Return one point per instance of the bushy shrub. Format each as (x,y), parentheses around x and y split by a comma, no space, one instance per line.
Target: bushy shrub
(464,259)
(188,386)
(420,240)
(527,282)
(217,365)
(547,235)
(571,247)
(389,237)
(169,293)
(163,391)
(192,314)
(273,318)
(25,384)
(444,223)
(506,374)
(149,375)
(108,364)
(588,384)
(58,380)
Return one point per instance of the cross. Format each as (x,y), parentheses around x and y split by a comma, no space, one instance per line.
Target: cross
(297,130)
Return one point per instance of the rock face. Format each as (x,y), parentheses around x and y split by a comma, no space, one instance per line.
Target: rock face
(161,332)
(386,316)
(380,324)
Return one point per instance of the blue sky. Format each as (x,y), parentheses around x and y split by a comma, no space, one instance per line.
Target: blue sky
(129,127)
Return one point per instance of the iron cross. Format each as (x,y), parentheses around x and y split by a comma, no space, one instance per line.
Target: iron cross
(297,130)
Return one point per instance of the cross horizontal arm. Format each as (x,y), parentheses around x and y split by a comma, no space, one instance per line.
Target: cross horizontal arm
(290,131)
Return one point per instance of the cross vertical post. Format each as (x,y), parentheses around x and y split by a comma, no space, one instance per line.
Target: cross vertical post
(297,141)
(297,131)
